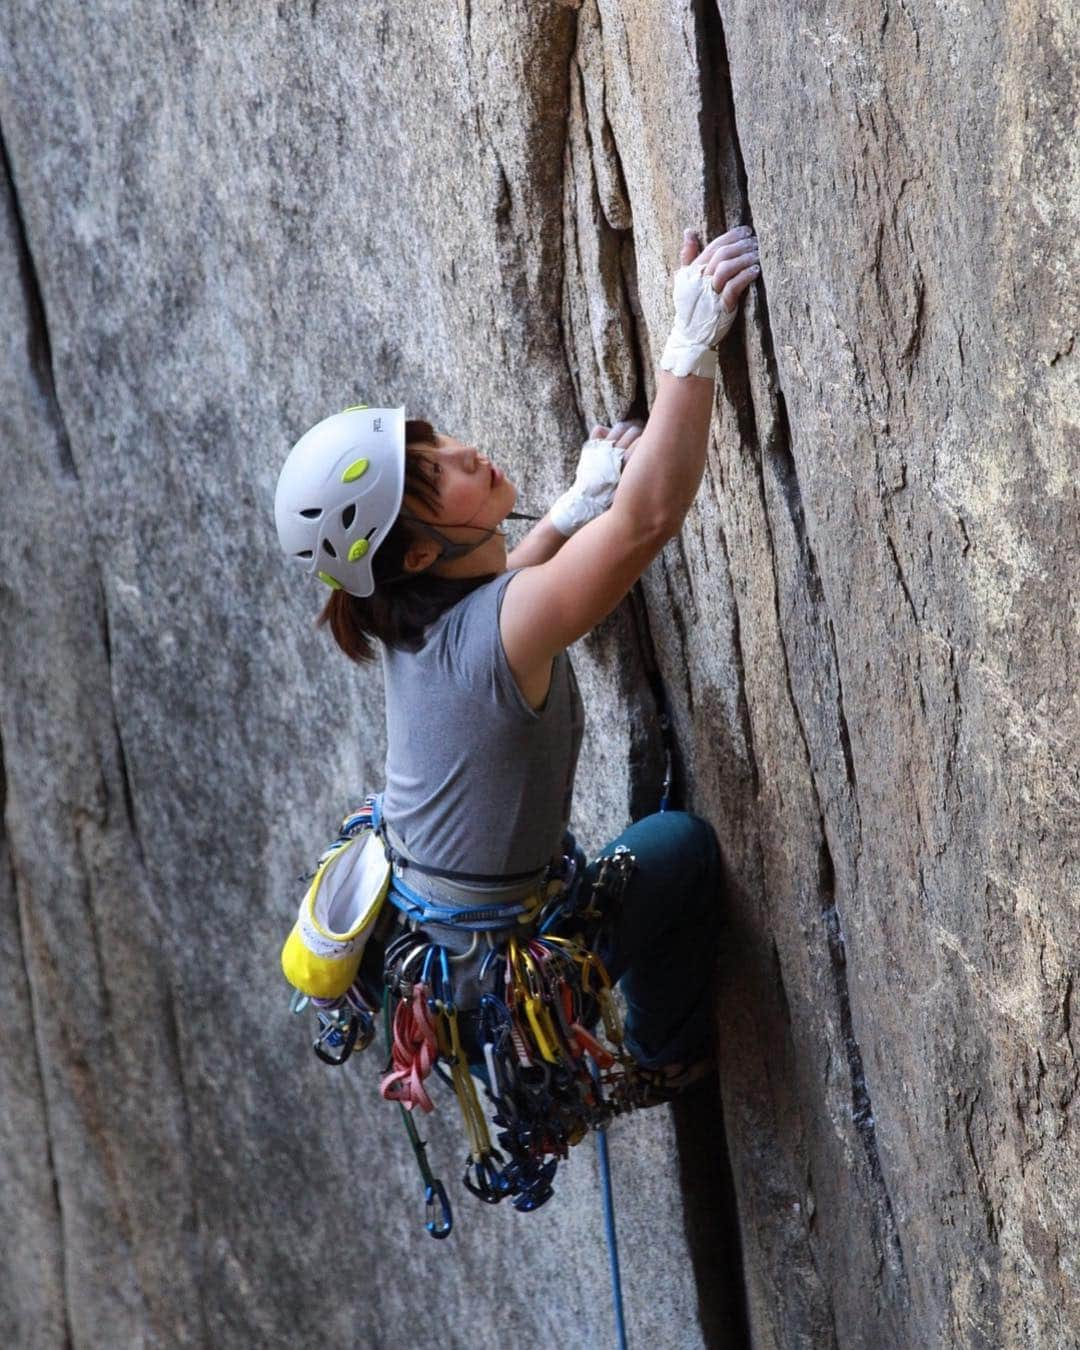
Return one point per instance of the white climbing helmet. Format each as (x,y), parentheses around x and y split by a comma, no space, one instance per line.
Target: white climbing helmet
(339,492)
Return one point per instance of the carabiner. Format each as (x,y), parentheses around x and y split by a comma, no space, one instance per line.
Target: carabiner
(446,984)
(331,1033)
(536,1189)
(491,1185)
(442,1226)
(490,956)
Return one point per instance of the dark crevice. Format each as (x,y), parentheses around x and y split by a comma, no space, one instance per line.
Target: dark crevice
(679,623)
(122,768)
(645,782)
(900,577)
(7,861)
(845,736)
(711,1218)
(745,721)
(38,342)
(862,1111)
(639,405)
(569,201)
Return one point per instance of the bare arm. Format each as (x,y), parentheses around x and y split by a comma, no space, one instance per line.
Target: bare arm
(659,484)
(543,541)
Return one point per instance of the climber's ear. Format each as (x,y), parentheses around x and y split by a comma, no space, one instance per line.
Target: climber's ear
(420,554)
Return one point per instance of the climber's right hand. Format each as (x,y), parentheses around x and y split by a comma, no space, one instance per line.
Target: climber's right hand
(707,290)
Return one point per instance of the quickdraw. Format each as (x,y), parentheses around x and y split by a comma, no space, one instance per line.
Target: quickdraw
(545,1044)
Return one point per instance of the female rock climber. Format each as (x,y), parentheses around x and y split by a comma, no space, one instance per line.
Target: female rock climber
(484,719)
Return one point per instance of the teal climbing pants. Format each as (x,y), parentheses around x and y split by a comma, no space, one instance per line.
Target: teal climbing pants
(659,942)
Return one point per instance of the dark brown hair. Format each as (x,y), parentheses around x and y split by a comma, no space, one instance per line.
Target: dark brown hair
(403,604)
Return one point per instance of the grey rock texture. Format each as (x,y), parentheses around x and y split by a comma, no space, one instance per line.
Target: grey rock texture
(219,223)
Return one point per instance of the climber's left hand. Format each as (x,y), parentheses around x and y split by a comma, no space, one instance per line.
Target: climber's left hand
(624,434)
(601,463)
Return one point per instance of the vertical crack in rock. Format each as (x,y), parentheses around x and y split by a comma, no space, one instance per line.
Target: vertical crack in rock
(647,757)
(901,578)
(743,707)
(569,239)
(777,452)
(7,860)
(122,766)
(862,1110)
(38,341)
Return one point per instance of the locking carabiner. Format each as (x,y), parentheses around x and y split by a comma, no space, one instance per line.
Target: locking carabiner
(341,1038)
(442,1226)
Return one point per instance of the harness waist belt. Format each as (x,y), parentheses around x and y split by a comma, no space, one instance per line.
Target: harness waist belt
(397,853)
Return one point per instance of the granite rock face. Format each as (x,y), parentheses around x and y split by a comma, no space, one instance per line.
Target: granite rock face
(221,222)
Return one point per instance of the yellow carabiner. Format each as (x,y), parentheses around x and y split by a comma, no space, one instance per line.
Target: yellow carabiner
(543,1031)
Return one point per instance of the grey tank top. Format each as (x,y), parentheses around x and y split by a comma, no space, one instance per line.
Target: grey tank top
(476,780)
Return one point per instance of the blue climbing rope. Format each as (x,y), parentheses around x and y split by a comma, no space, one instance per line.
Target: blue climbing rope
(612,1241)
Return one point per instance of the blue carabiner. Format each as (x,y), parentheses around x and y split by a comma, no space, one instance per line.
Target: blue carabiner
(492,954)
(446,986)
(438,1227)
(487,1182)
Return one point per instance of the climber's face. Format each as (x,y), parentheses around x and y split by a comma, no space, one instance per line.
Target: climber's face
(471,491)
(472,499)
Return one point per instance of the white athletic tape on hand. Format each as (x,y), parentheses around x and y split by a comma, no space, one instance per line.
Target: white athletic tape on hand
(701,323)
(593,489)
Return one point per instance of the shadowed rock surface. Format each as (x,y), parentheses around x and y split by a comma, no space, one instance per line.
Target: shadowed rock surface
(221,222)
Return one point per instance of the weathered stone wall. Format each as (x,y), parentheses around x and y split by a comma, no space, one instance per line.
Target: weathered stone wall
(220,222)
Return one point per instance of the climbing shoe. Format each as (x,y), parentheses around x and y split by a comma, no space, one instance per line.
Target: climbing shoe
(657,1087)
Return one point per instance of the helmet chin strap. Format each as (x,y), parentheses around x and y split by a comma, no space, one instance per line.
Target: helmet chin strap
(451,549)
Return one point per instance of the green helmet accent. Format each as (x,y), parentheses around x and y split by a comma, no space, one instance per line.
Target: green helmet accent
(354,471)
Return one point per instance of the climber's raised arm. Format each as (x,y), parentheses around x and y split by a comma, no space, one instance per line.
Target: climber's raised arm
(603,457)
(549,606)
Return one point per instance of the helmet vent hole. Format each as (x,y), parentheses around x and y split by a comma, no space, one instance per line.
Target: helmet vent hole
(371,531)
(329,548)
(348,516)
(312,513)
(305,553)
